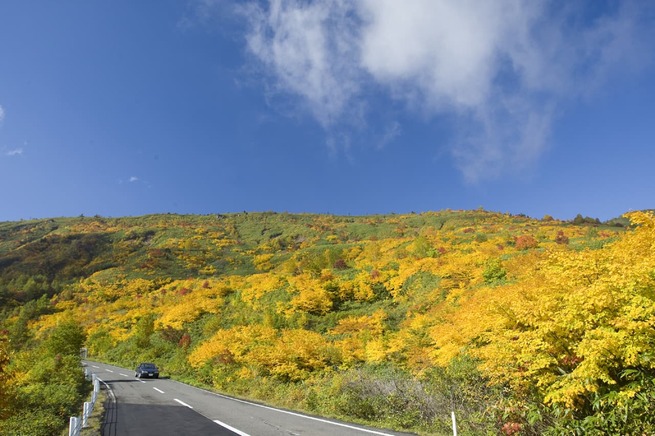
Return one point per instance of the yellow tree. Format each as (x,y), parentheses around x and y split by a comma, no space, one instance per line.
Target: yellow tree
(359,337)
(296,355)
(232,345)
(311,295)
(580,328)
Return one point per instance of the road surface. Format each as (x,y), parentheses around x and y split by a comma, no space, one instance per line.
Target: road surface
(161,407)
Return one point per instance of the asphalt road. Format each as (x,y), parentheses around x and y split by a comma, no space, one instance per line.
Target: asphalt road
(161,407)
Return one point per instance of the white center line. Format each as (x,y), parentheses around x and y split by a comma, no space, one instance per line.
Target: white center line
(239,432)
(158,390)
(95,366)
(124,375)
(109,370)
(183,403)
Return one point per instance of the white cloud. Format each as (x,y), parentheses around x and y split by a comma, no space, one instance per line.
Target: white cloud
(447,49)
(500,68)
(134,179)
(14,152)
(309,49)
(206,12)
(11,152)
(392,131)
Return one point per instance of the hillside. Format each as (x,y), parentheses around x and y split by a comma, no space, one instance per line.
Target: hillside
(57,251)
(392,319)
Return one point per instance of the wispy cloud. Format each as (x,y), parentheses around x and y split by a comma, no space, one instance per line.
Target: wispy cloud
(392,131)
(131,179)
(206,12)
(14,152)
(499,69)
(308,49)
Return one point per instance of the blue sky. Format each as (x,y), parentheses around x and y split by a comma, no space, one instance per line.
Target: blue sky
(121,108)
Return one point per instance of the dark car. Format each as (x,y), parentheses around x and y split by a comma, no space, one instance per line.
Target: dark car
(147,370)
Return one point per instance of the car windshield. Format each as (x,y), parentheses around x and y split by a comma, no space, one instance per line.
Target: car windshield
(148,366)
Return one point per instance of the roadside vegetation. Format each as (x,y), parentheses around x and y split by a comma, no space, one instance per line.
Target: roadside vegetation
(41,381)
(520,326)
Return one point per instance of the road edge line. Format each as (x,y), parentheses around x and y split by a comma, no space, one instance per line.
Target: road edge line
(229,427)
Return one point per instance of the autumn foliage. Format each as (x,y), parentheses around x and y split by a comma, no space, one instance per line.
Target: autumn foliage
(520,326)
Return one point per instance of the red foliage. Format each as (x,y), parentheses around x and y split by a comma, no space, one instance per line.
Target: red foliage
(185,341)
(340,264)
(561,238)
(571,360)
(510,428)
(226,357)
(524,242)
(156,253)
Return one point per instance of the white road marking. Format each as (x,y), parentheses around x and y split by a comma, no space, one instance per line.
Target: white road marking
(95,366)
(124,375)
(109,370)
(111,393)
(158,390)
(222,424)
(299,415)
(183,403)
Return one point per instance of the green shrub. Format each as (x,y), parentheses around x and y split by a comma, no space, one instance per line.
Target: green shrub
(494,272)
(32,422)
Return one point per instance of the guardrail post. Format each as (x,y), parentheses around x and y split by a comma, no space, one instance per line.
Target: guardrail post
(88,408)
(452,415)
(73,426)
(96,388)
(76,424)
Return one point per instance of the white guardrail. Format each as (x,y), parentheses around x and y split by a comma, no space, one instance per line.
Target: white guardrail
(77,423)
